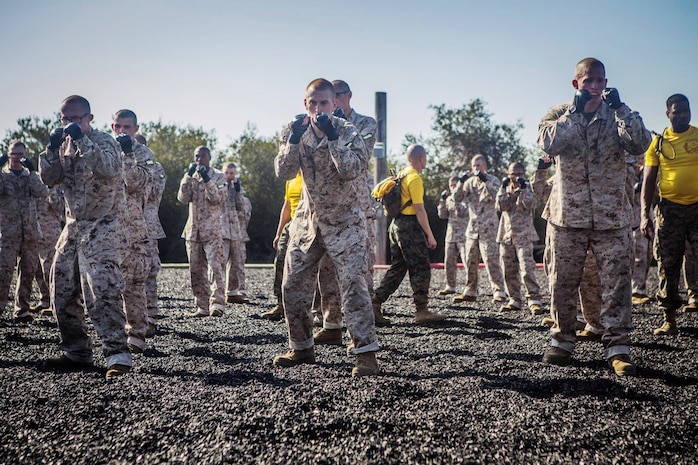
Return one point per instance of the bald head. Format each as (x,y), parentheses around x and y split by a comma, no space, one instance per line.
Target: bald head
(416,156)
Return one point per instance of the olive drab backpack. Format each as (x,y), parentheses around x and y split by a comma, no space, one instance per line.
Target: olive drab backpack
(387,192)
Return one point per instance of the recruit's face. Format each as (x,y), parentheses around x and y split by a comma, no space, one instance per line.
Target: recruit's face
(76,113)
(319,101)
(679,115)
(17,152)
(594,80)
(124,126)
(478,164)
(202,158)
(230,174)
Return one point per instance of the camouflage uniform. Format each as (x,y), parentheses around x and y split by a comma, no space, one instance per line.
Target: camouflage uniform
(137,167)
(329,219)
(244,216)
(232,259)
(51,214)
(590,286)
(205,233)
(155,232)
(589,208)
(516,236)
(641,245)
(89,250)
(481,234)
(328,279)
(19,234)
(457,215)
(408,252)
(690,273)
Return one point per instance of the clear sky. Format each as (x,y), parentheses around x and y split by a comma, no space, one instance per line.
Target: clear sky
(220,64)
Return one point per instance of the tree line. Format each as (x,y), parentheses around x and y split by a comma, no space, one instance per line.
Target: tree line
(456,135)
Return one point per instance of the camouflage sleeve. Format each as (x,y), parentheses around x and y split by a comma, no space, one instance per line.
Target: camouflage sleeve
(37,188)
(459,195)
(633,134)
(492,187)
(184,194)
(50,168)
(527,199)
(539,184)
(348,152)
(216,189)
(137,174)
(461,209)
(159,180)
(287,161)
(558,130)
(505,200)
(103,157)
(442,209)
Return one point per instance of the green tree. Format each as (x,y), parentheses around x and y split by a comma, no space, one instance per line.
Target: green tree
(33,132)
(173,147)
(254,157)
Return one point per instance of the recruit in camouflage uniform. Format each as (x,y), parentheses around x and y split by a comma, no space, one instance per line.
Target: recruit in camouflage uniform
(480,193)
(86,272)
(244,215)
(588,208)
(20,189)
(231,259)
(204,189)
(329,219)
(328,279)
(590,286)
(51,214)
(515,237)
(155,232)
(457,215)
(137,166)
(292,197)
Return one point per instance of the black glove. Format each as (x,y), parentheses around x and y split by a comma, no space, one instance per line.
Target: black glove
(56,139)
(481,176)
(27,162)
(581,97)
(125,142)
(203,172)
(3,159)
(521,182)
(444,195)
(611,96)
(324,122)
(297,129)
(192,169)
(339,113)
(542,165)
(464,176)
(236,185)
(505,181)
(74,131)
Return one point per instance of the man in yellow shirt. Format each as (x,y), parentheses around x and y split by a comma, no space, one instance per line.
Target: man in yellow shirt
(410,240)
(676,153)
(292,196)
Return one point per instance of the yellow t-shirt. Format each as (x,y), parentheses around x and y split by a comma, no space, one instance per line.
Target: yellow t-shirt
(294,187)
(411,188)
(678,178)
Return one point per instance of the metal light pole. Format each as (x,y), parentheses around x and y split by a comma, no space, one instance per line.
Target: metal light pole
(380,171)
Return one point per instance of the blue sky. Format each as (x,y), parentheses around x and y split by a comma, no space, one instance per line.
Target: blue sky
(221,64)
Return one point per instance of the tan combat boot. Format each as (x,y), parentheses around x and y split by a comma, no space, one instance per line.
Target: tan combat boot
(422,315)
(669,327)
(622,365)
(378,314)
(295,357)
(366,365)
(276,313)
(330,337)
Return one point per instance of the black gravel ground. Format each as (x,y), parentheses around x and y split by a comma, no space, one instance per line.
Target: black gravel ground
(468,390)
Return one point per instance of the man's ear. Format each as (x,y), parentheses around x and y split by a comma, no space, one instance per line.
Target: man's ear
(575,84)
